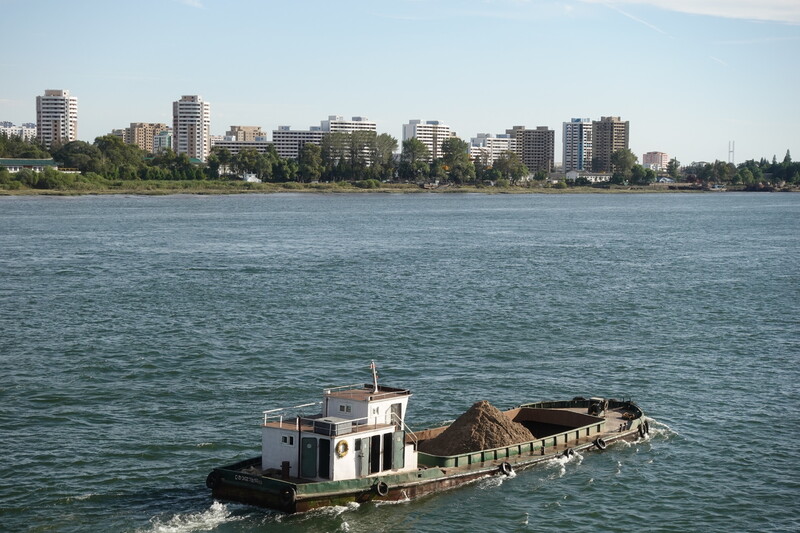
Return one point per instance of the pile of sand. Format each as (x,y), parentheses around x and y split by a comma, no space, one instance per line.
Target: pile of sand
(482,427)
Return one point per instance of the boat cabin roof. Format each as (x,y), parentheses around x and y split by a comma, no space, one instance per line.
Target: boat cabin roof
(367,393)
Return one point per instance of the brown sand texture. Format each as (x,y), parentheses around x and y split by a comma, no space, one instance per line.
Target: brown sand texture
(482,427)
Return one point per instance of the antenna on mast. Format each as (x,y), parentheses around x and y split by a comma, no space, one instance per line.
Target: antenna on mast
(374,369)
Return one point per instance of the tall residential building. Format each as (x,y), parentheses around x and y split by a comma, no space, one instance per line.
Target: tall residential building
(191,130)
(27,131)
(56,117)
(245,133)
(162,141)
(431,133)
(655,160)
(536,148)
(489,147)
(142,134)
(578,144)
(609,134)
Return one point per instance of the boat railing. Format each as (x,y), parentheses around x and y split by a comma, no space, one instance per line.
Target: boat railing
(408,429)
(329,390)
(278,414)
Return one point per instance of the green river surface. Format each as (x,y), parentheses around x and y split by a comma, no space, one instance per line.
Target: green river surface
(142,337)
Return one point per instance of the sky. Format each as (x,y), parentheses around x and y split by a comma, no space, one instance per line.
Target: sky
(691,76)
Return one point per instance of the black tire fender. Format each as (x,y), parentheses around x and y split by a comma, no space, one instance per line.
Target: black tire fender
(506,468)
(381,488)
(600,444)
(288,496)
(569,452)
(642,430)
(213,480)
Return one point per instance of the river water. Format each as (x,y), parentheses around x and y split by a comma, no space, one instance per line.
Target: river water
(141,337)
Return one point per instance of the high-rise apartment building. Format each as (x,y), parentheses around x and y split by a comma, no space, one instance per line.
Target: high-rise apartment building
(142,134)
(577,144)
(162,141)
(431,133)
(535,148)
(609,134)
(191,129)
(245,133)
(488,148)
(655,160)
(56,117)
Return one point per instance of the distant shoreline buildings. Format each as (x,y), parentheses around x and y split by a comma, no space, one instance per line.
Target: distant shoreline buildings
(587,144)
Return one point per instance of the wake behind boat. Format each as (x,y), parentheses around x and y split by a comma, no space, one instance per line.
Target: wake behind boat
(359,448)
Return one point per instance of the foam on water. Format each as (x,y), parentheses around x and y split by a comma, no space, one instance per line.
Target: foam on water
(208,520)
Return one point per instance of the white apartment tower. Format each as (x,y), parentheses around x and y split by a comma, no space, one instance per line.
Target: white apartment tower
(578,144)
(191,130)
(56,117)
(431,133)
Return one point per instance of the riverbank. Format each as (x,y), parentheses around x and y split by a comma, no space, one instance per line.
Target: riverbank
(237,187)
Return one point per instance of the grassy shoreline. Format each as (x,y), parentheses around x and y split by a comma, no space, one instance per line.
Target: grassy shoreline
(156,188)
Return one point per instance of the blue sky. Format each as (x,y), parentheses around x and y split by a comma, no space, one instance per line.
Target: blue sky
(689,75)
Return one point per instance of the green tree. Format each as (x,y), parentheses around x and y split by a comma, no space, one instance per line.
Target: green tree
(455,158)
(310,163)
(414,160)
(674,168)
(510,167)
(622,162)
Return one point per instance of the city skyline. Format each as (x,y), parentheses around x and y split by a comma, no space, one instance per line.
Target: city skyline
(478,66)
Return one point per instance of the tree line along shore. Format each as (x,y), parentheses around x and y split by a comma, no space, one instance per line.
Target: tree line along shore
(351,162)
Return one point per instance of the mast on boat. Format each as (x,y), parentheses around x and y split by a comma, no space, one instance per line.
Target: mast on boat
(374,369)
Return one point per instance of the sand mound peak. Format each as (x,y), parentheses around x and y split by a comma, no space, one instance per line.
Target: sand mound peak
(482,427)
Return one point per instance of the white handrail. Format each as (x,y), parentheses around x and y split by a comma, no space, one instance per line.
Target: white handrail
(269,412)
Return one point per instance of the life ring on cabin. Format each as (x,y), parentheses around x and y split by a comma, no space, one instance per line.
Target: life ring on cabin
(506,468)
(381,488)
(341,448)
(213,479)
(288,496)
(569,452)
(600,443)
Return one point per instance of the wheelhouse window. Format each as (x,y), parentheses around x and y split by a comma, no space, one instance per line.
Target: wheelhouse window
(287,440)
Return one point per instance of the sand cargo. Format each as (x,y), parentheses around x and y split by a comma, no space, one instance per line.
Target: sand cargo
(358,448)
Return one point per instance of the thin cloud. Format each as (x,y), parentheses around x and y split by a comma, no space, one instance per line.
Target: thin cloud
(718,60)
(636,19)
(197,4)
(787,11)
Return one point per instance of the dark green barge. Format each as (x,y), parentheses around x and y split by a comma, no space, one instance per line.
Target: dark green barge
(359,449)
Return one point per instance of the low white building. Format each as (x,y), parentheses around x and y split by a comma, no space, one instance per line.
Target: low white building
(289,142)
(234,146)
(593,177)
(27,131)
(488,147)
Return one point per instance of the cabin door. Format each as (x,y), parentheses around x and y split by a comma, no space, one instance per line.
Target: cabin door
(398,449)
(396,414)
(308,458)
(363,457)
